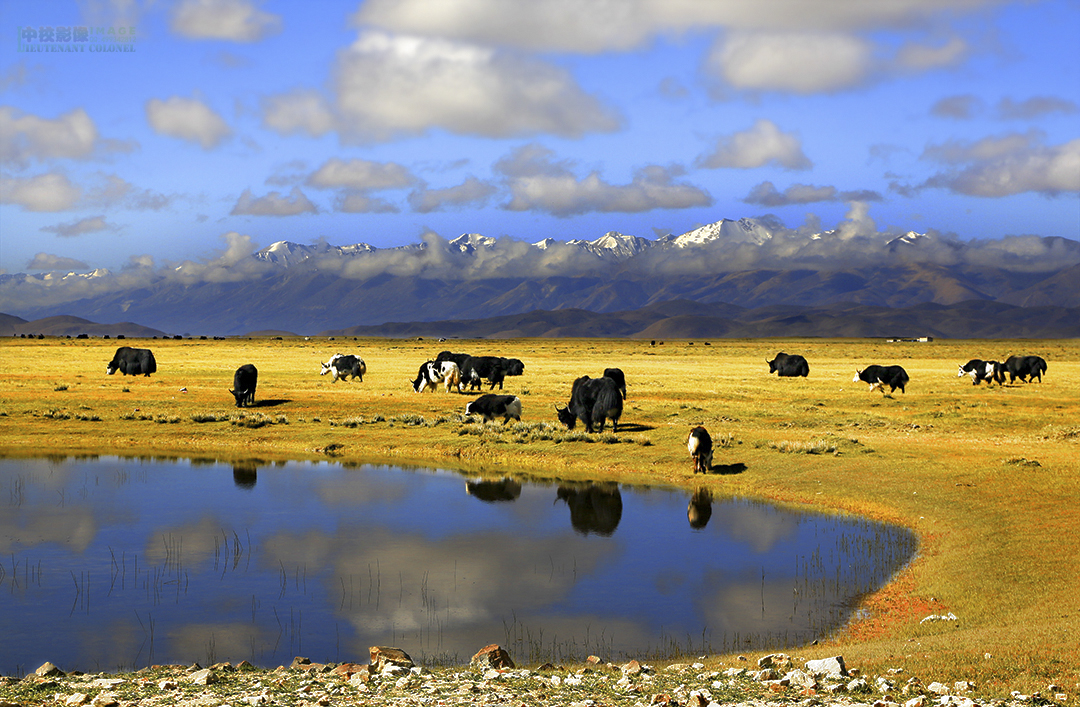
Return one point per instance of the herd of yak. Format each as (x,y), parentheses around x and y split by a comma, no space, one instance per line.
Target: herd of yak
(593,401)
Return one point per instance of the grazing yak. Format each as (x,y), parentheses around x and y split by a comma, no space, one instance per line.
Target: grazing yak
(245,380)
(478,368)
(490,405)
(475,369)
(132,362)
(458,358)
(881,376)
(700,445)
(617,375)
(789,365)
(344,366)
(592,400)
(431,374)
(980,371)
(1026,368)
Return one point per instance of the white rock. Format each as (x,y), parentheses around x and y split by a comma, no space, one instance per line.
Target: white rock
(827,666)
(206,676)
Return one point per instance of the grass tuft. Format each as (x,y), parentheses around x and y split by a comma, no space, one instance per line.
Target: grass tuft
(209,417)
(253,420)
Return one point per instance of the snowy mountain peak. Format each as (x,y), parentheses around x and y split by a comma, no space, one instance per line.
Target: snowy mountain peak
(745,230)
(471,242)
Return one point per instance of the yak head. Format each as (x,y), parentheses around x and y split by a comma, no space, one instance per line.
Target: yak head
(566,417)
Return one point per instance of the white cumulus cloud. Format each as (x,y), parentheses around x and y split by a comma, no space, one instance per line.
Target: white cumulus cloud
(762,144)
(51,191)
(25,137)
(799,62)
(273,204)
(471,192)
(591,26)
(360,174)
(537,182)
(232,20)
(388,86)
(1007,165)
(188,119)
(79,227)
(48,261)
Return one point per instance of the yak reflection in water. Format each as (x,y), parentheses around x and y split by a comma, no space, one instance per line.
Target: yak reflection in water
(245,474)
(594,508)
(505,489)
(699,510)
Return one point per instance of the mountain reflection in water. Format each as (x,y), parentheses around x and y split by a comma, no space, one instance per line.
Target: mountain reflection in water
(114,563)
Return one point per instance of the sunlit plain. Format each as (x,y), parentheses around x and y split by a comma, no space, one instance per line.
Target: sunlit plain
(987,476)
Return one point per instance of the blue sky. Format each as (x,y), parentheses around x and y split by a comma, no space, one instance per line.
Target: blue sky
(236,123)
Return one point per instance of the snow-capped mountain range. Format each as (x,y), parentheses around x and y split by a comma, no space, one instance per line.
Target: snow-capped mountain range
(747,263)
(612,246)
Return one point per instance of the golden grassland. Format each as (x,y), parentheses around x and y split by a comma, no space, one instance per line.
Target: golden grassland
(989,477)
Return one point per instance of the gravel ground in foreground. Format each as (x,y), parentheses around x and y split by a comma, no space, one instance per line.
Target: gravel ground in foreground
(776,680)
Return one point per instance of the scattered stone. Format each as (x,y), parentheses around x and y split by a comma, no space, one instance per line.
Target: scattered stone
(800,679)
(779,661)
(48,670)
(204,677)
(858,685)
(389,683)
(385,659)
(347,670)
(827,666)
(492,656)
(108,682)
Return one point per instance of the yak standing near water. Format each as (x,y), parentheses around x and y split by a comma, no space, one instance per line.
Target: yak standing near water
(700,445)
(245,380)
(789,365)
(592,400)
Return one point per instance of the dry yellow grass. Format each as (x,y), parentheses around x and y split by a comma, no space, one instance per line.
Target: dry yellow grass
(989,477)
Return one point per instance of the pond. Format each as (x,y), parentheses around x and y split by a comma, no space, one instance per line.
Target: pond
(110,563)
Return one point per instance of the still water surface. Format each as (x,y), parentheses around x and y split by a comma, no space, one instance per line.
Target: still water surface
(113,563)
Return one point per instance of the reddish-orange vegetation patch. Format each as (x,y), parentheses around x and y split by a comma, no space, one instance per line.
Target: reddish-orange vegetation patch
(893,605)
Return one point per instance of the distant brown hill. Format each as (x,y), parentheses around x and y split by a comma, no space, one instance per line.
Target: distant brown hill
(307,300)
(681,319)
(64,325)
